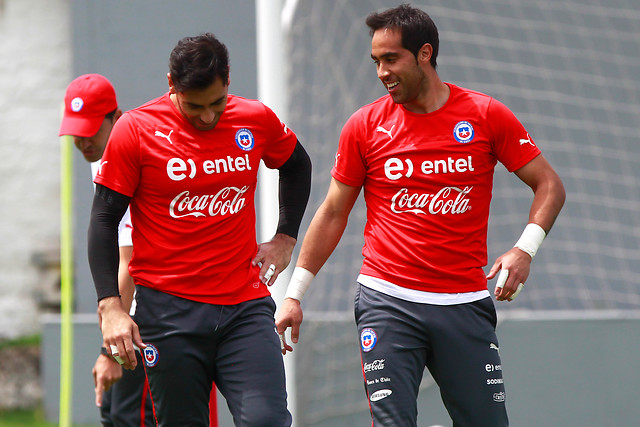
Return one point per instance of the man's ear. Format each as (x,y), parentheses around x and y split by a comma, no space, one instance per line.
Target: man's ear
(424,54)
(117,115)
(172,87)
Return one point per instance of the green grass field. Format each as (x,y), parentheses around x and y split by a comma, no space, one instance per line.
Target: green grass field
(25,418)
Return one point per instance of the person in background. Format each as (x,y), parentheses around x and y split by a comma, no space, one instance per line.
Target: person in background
(425,155)
(90,111)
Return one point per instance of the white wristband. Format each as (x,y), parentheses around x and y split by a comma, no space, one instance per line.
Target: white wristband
(531,239)
(299,283)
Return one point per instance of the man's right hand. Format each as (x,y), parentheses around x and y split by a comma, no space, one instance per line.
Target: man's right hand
(119,330)
(106,372)
(289,315)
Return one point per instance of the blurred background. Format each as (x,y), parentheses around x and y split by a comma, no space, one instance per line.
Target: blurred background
(570,70)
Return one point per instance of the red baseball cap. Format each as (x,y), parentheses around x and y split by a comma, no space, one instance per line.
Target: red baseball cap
(88,99)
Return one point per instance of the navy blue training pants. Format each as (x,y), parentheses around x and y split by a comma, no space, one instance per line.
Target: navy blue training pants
(128,403)
(457,343)
(192,344)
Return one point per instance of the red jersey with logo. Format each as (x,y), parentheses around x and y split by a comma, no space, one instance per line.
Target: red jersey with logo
(427,185)
(193,195)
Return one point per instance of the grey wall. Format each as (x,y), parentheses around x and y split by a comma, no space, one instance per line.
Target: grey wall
(86,347)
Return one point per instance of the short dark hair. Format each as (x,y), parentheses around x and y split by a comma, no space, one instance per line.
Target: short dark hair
(111,114)
(195,62)
(415,25)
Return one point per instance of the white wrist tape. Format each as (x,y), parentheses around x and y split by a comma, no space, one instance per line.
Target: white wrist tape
(300,280)
(115,355)
(531,239)
(502,280)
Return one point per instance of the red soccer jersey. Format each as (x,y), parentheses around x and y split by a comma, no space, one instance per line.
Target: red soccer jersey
(193,195)
(427,185)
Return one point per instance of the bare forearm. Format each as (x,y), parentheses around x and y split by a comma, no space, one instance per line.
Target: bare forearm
(321,239)
(548,190)
(547,202)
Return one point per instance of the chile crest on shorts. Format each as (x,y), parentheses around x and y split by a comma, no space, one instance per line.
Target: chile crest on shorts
(151,355)
(463,132)
(244,139)
(368,339)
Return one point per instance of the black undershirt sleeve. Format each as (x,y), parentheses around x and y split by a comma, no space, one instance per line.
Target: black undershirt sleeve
(108,208)
(293,193)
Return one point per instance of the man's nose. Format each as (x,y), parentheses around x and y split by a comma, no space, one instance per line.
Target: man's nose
(82,142)
(382,72)
(208,116)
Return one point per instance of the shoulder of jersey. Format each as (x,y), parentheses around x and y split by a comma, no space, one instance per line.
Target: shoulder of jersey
(477,97)
(242,105)
(375,109)
(156,101)
(383,100)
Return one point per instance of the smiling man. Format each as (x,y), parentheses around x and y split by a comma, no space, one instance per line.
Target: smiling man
(187,163)
(425,156)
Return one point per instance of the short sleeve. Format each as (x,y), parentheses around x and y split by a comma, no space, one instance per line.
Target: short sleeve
(120,167)
(280,142)
(350,167)
(511,143)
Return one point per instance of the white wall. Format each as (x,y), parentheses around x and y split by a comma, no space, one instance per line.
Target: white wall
(35,68)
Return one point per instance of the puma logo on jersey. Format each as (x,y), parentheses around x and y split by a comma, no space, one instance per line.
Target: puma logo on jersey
(526,141)
(383,130)
(167,137)
(495,347)
(100,167)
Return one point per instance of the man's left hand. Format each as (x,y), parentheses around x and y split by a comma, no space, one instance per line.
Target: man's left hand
(273,257)
(518,264)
